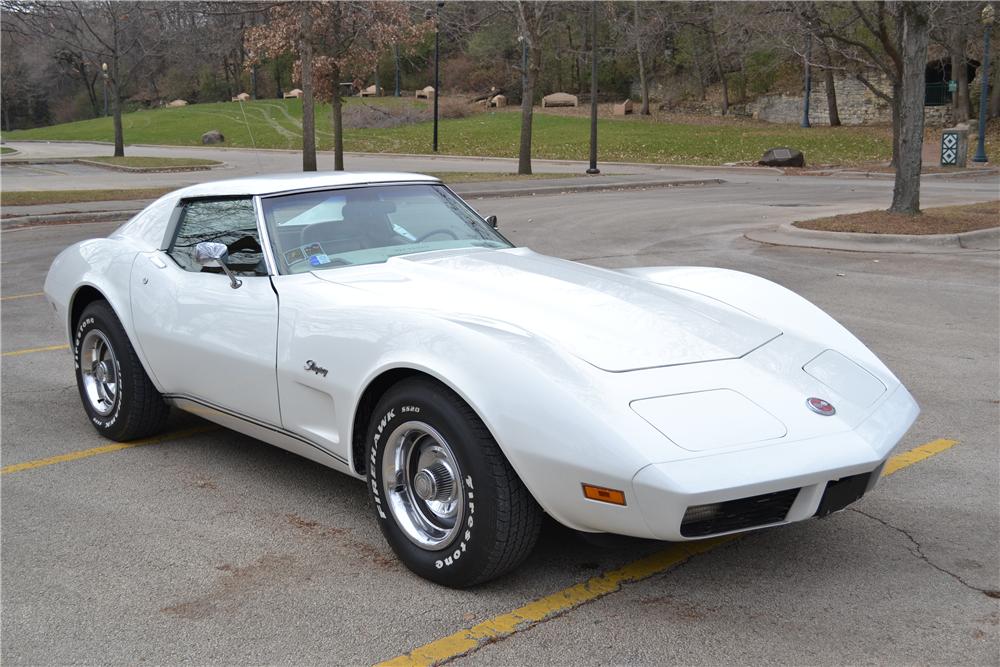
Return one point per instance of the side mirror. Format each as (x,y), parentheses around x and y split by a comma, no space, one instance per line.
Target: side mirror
(492,220)
(214,255)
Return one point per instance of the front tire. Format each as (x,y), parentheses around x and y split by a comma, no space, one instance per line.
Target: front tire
(117,395)
(448,502)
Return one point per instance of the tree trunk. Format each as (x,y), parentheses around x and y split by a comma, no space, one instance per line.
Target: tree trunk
(916,30)
(116,107)
(721,73)
(960,74)
(831,88)
(308,99)
(527,110)
(643,83)
(338,122)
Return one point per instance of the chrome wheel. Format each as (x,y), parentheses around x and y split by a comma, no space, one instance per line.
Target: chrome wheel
(99,370)
(422,484)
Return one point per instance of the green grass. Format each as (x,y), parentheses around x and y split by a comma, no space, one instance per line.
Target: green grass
(152,162)
(4,150)
(276,124)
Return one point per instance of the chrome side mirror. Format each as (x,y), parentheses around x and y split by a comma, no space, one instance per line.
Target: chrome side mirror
(492,221)
(214,255)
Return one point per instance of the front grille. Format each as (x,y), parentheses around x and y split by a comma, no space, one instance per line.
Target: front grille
(702,520)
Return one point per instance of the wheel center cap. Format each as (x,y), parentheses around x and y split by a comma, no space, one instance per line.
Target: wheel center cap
(101,372)
(425,485)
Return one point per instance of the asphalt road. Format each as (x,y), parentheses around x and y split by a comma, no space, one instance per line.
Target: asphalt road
(214,548)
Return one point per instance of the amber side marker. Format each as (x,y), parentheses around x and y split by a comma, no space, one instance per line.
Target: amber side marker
(605,495)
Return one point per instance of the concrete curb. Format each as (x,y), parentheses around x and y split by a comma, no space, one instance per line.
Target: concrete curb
(527,190)
(496,189)
(790,235)
(113,167)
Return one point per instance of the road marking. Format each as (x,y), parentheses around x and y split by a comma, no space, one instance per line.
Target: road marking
(916,455)
(103,449)
(558,603)
(32,350)
(21,296)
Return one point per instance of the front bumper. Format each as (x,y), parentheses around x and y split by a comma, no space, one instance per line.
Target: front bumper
(804,469)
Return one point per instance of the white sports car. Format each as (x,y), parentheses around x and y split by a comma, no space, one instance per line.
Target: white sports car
(376,324)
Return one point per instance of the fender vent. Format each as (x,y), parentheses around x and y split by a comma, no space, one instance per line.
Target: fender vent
(704,520)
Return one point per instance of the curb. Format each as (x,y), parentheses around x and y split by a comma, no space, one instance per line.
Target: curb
(113,167)
(528,191)
(789,235)
(525,190)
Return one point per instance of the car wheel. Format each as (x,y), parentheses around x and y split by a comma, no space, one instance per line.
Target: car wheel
(447,500)
(117,394)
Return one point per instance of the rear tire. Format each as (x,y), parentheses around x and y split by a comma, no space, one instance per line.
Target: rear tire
(117,395)
(446,499)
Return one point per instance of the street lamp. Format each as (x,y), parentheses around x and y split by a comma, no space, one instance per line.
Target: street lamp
(984,100)
(104,73)
(593,90)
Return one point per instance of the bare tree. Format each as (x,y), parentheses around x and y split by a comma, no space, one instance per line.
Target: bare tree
(888,40)
(533,24)
(121,34)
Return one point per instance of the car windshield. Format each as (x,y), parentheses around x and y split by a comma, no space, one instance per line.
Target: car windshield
(368,225)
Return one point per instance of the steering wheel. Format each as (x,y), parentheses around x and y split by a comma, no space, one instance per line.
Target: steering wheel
(433,232)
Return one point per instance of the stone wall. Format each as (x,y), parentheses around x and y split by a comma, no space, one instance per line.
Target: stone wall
(856,105)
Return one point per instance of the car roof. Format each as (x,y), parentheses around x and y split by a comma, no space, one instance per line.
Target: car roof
(267,184)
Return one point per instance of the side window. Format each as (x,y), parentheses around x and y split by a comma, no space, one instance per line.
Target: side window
(229,221)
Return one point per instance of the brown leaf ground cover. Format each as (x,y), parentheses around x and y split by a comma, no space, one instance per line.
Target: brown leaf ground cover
(943,220)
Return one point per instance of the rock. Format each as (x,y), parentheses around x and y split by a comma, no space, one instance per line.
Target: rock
(560,100)
(177,103)
(783,157)
(293,93)
(427,93)
(212,137)
(498,101)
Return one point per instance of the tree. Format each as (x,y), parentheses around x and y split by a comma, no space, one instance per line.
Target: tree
(887,40)
(342,39)
(533,24)
(122,34)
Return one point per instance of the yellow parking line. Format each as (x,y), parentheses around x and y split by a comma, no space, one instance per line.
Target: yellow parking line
(103,449)
(21,296)
(31,350)
(916,455)
(498,627)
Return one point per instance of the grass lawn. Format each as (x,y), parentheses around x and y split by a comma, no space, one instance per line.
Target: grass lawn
(152,162)
(4,150)
(30,197)
(941,220)
(277,124)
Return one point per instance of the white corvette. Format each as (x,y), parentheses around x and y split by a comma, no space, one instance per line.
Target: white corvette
(378,325)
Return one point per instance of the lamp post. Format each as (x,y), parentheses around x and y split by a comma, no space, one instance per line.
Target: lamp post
(984,100)
(593,90)
(808,82)
(104,73)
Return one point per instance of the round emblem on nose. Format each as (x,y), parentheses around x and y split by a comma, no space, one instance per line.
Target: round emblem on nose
(821,407)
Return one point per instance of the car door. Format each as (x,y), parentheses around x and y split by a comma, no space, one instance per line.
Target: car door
(203,339)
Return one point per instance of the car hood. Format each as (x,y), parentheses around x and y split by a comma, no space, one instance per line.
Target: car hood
(611,320)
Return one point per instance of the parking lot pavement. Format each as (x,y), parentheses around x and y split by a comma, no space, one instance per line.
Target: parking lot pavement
(210,547)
